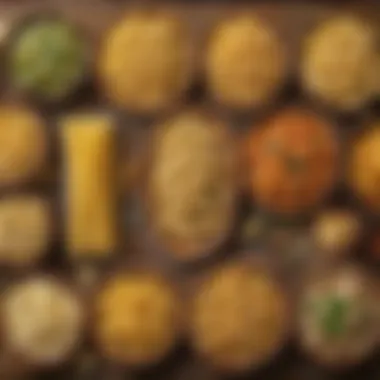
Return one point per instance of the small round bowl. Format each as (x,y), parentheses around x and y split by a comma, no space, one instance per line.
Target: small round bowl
(332,353)
(245,263)
(134,104)
(336,232)
(30,156)
(370,207)
(31,95)
(280,73)
(285,214)
(39,256)
(23,359)
(136,274)
(318,68)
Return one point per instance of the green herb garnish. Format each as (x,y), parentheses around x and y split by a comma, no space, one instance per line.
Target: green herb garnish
(48,58)
(333,315)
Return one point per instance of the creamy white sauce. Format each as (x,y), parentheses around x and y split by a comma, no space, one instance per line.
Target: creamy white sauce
(42,320)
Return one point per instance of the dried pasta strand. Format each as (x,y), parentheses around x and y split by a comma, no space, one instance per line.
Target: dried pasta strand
(90,220)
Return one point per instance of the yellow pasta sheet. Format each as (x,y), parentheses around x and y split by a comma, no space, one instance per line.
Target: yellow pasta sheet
(90,210)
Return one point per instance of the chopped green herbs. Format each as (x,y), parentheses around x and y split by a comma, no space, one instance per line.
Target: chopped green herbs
(334,318)
(332,313)
(47,58)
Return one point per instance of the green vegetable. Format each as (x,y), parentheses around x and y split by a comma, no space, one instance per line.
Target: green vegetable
(333,316)
(47,58)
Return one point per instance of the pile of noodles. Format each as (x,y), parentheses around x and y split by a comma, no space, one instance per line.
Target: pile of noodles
(191,179)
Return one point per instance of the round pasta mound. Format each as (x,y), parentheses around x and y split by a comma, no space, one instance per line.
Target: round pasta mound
(340,64)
